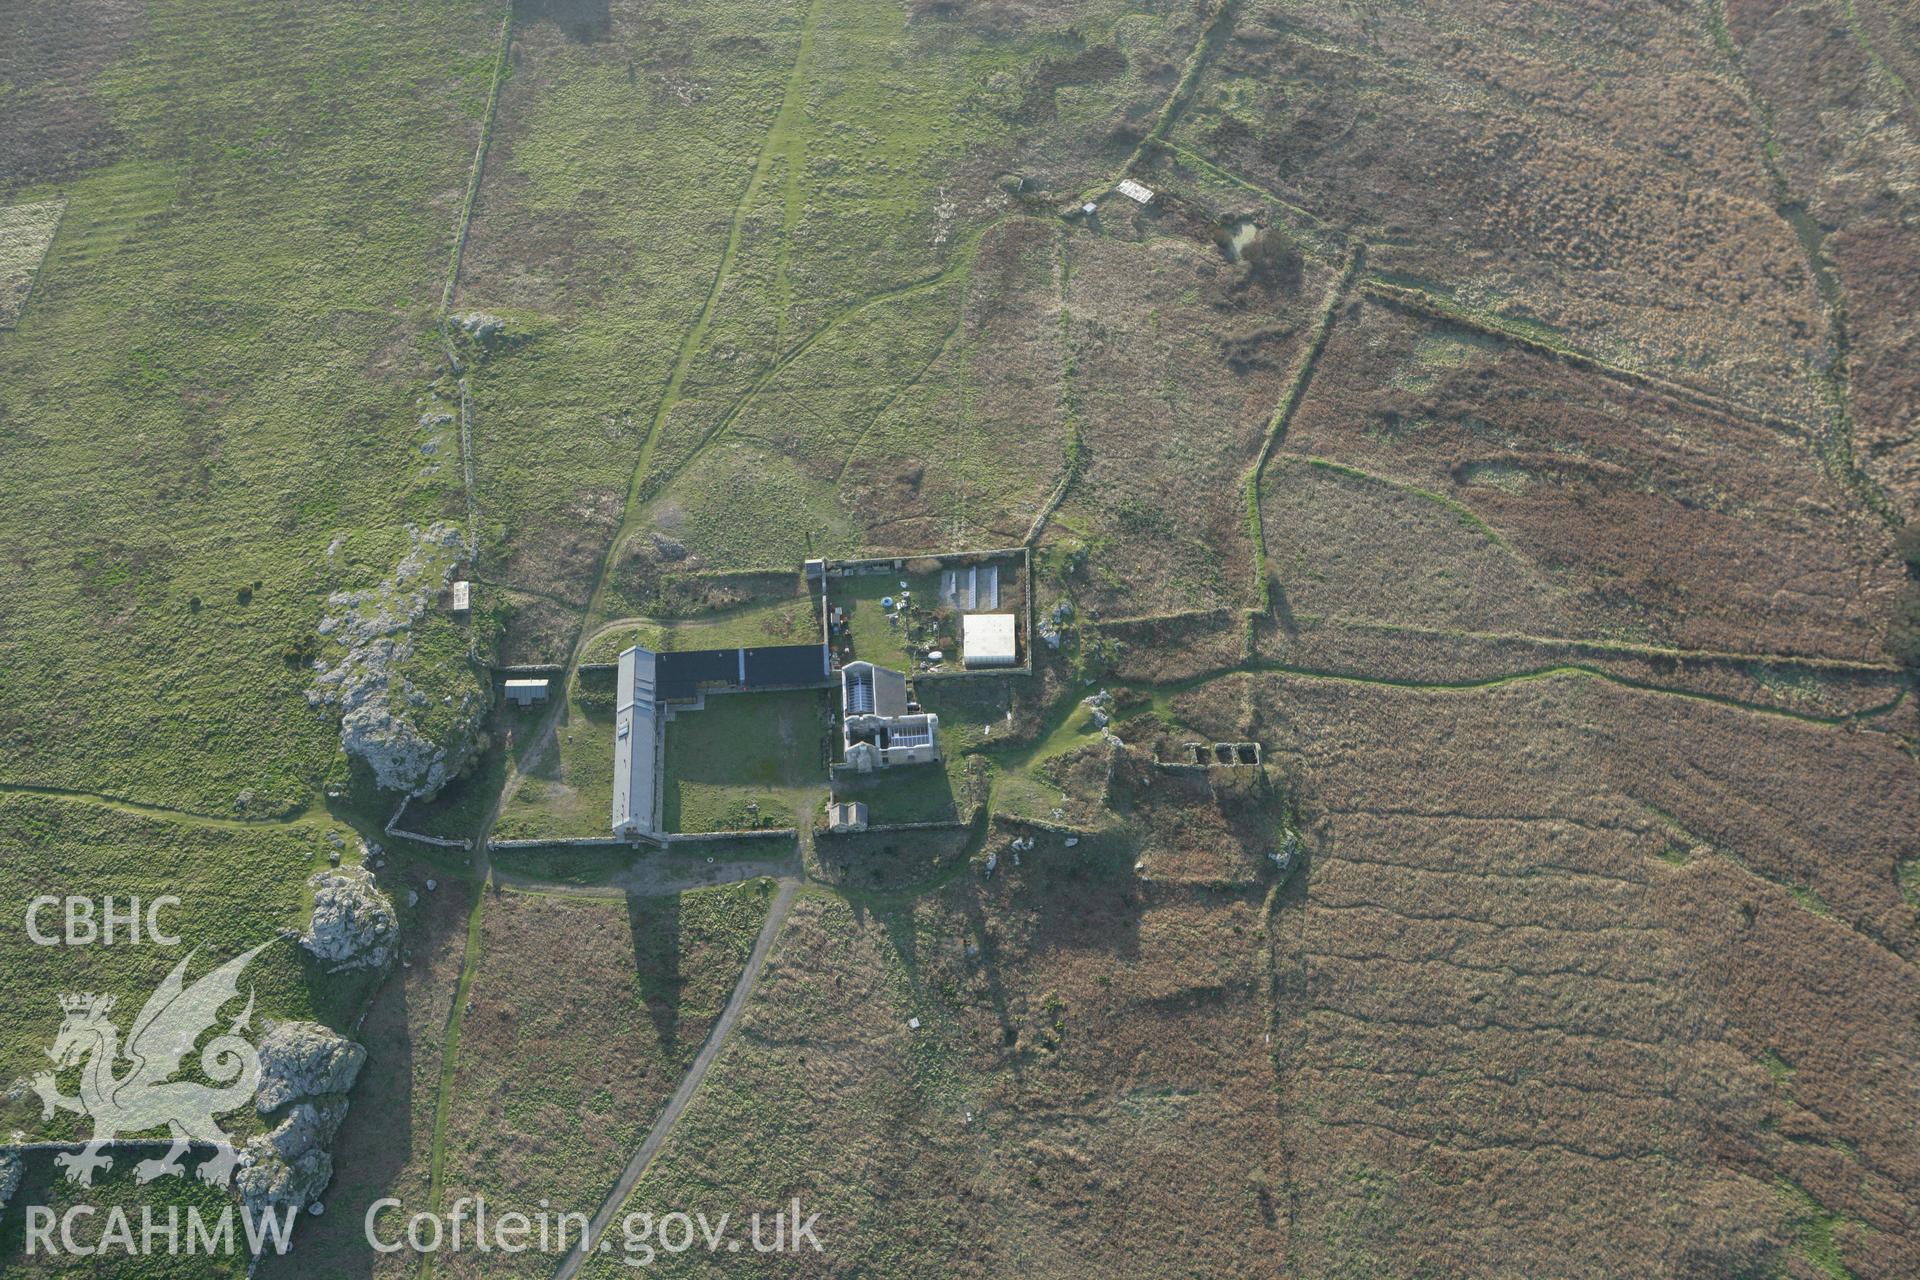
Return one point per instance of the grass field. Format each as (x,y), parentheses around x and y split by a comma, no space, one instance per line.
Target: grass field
(912,793)
(25,232)
(746,760)
(568,791)
(251,308)
(1553,501)
(1047,1086)
(1530,240)
(772,622)
(798,292)
(582,1020)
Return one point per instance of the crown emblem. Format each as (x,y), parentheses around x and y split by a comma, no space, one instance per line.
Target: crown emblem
(86,1002)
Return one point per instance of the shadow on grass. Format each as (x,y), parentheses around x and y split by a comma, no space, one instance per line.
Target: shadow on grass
(654,924)
(376,1150)
(914,793)
(582,21)
(874,870)
(573,866)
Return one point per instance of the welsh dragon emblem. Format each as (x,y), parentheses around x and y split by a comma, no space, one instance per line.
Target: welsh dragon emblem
(128,1089)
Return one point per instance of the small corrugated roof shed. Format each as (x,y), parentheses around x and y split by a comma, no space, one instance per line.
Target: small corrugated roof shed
(525,691)
(847,815)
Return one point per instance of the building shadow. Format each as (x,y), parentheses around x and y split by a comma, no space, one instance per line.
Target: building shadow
(585,21)
(654,926)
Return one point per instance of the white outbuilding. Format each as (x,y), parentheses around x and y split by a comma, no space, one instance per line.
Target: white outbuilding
(524,693)
(989,640)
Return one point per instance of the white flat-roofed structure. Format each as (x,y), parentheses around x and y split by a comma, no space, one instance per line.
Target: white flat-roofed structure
(989,640)
(524,693)
(1138,192)
(879,725)
(462,596)
(636,747)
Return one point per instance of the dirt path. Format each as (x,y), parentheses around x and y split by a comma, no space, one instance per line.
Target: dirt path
(1290,399)
(311,812)
(677,1104)
(790,116)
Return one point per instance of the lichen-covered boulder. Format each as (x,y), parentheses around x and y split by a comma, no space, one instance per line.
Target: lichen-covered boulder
(307,1069)
(267,1179)
(353,925)
(403,753)
(481,326)
(308,1126)
(302,1061)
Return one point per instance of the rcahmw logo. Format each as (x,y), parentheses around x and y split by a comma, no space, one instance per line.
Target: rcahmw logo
(144,1096)
(86,1230)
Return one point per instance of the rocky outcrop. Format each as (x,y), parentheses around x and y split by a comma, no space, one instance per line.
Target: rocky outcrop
(291,1164)
(354,925)
(411,701)
(10,1171)
(267,1179)
(304,1060)
(480,326)
(307,1126)
(305,1069)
